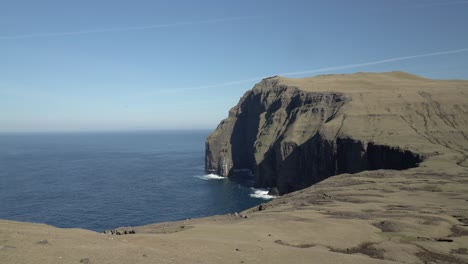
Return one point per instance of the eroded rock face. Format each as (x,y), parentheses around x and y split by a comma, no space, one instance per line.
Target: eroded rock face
(292,133)
(265,118)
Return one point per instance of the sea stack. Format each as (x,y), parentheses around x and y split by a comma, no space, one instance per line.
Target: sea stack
(294,132)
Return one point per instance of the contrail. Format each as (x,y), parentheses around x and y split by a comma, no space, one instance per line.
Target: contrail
(444,3)
(325,69)
(118,29)
(357,65)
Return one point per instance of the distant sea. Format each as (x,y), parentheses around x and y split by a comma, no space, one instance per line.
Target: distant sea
(100,181)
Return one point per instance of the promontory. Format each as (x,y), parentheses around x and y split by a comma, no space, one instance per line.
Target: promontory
(292,133)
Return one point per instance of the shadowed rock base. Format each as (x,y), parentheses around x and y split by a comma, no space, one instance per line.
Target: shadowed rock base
(318,159)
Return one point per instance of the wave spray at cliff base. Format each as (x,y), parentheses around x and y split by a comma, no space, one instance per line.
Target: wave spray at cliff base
(211,176)
(262,194)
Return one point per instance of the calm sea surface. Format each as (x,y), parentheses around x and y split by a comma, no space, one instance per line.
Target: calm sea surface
(101,181)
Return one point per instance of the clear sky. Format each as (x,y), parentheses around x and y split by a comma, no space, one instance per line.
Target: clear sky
(131,65)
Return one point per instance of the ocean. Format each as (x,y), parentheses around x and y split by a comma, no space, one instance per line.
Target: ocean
(100,181)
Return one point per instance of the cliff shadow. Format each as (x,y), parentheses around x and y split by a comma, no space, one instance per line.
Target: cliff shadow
(318,159)
(245,132)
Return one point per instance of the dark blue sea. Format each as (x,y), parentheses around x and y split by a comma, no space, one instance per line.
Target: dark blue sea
(103,180)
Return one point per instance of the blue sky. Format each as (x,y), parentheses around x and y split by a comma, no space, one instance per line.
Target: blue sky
(133,65)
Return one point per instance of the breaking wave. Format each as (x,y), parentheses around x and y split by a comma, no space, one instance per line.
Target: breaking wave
(262,194)
(211,176)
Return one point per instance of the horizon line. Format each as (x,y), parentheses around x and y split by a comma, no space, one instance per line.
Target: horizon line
(75,131)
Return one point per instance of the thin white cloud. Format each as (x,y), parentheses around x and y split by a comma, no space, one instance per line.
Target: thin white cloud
(319,70)
(119,29)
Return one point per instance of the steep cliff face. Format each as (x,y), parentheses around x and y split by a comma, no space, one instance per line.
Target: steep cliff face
(292,133)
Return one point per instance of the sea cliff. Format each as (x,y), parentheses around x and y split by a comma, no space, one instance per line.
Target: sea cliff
(292,133)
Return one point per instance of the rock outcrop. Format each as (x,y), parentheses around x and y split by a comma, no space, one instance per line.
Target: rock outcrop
(292,133)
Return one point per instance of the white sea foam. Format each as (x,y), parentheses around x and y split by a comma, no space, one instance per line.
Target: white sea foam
(262,194)
(211,176)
